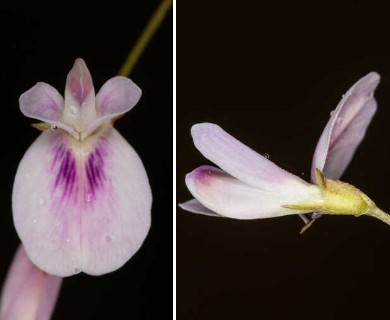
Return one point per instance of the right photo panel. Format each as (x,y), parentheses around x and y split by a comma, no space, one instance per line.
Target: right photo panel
(282,161)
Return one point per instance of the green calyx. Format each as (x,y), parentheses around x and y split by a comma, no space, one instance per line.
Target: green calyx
(340,198)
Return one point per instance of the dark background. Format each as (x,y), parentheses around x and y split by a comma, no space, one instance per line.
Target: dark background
(40,43)
(270,73)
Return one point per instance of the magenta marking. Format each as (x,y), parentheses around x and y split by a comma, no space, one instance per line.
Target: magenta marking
(94,168)
(64,166)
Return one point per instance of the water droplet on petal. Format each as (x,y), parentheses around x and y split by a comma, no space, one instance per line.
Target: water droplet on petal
(266,155)
(339,121)
(88,197)
(74,111)
(53,127)
(331,113)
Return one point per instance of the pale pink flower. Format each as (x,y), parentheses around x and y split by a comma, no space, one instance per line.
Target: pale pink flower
(249,186)
(81,198)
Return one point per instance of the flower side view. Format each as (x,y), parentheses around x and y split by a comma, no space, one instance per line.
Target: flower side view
(249,186)
(28,293)
(81,197)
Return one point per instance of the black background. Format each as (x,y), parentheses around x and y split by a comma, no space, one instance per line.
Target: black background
(270,73)
(39,42)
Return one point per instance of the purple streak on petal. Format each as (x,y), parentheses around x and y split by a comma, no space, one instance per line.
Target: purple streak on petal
(64,169)
(94,168)
(58,151)
(346,128)
(66,174)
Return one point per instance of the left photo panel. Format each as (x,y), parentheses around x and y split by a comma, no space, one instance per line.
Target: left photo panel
(86,166)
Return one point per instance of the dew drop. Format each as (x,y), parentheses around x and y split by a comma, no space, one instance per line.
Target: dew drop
(53,127)
(331,113)
(266,155)
(88,197)
(74,111)
(339,121)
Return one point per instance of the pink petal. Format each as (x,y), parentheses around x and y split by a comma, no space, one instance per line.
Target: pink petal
(28,292)
(79,86)
(43,102)
(79,110)
(117,96)
(230,197)
(346,128)
(239,160)
(81,206)
(195,206)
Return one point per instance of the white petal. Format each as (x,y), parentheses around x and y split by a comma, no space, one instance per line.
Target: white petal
(81,206)
(195,206)
(230,197)
(346,128)
(239,160)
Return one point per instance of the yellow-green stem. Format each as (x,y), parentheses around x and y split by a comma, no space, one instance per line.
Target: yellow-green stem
(144,38)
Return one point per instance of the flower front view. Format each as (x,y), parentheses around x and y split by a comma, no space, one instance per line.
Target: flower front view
(81,198)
